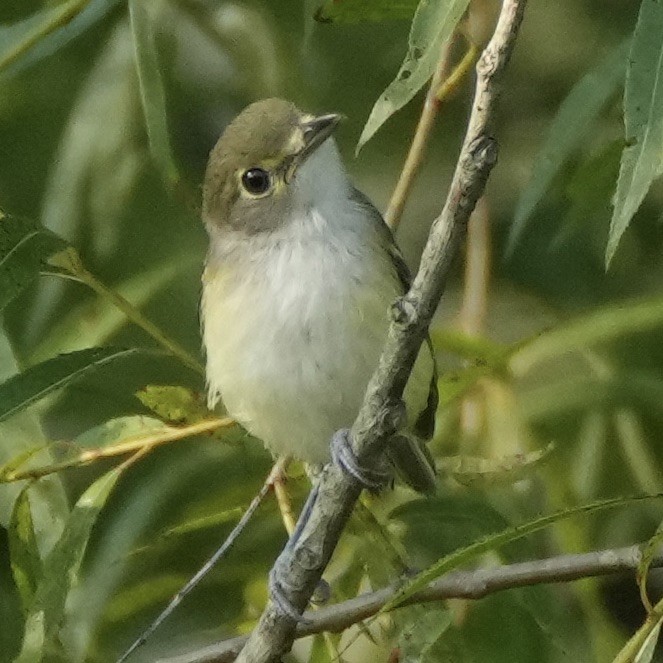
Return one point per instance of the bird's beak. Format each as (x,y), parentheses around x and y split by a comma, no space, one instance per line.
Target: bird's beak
(316,132)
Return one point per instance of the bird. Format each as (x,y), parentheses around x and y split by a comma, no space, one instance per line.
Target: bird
(299,278)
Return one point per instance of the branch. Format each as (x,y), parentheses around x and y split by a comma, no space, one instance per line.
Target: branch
(457,584)
(303,561)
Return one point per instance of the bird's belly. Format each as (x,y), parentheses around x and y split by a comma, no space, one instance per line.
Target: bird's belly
(292,365)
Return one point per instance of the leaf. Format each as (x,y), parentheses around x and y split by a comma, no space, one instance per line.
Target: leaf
(61,567)
(24,554)
(93,321)
(355,11)
(174,404)
(20,438)
(17,39)
(641,646)
(34,636)
(567,133)
(649,551)
(464,555)
(97,165)
(40,35)
(471,471)
(636,450)
(24,247)
(11,607)
(36,382)
(417,640)
(152,93)
(643,117)
(601,326)
(646,652)
(432,25)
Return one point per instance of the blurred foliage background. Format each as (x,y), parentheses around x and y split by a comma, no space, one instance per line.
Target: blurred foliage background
(76,157)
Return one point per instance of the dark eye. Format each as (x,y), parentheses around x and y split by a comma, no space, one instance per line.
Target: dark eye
(256,181)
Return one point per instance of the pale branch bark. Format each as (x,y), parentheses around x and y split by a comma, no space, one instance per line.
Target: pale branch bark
(302,563)
(458,584)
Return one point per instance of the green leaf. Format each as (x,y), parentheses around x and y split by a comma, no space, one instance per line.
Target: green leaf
(24,247)
(174,404)
(36,382)
(482,472)
(152,93)
(21,436)
(24,553)
(61,567)
(95,320)
(32,650)
(19,38)
(643,117)
(433,24)
(601,326)
(355,11)
(646,652)
(568,132)
(485,544)
(417,640)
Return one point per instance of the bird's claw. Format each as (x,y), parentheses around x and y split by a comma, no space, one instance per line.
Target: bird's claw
(343,455)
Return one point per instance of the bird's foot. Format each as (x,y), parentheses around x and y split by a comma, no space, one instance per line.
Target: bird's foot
(344,456)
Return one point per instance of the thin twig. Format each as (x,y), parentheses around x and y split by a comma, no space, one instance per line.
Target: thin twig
(471,585)
(301,564)
(472,315)
(209,564)
(283,498)
(415,155)
(143,441)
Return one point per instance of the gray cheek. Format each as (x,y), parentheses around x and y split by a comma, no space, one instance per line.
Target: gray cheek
(254,216)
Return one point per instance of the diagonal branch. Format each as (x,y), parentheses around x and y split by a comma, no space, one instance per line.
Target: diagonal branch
(473,585)
(302,562)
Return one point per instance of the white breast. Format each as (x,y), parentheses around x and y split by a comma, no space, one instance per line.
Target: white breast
(293,329)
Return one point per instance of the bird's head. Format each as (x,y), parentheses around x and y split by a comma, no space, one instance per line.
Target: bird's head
(269,161)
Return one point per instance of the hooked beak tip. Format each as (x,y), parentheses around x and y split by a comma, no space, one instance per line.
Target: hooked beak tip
(317,130)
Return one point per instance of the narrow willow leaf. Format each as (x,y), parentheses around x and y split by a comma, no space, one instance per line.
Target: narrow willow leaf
(36,382)
(36,37)
(464,555)
(34,636)
(24,247)
(472,471)
(152,91)
(19,38)
(97,164)
(174,404)
(601,326)
(355,11)
(646,653)
(21,437)
(61,567)
(433,24)
(23,550)
(92,322)
(417,640)
(643,117)
(641,646)
(568,132)
(637,450)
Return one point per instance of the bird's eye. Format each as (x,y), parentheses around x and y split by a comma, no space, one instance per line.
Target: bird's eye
(256,181)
